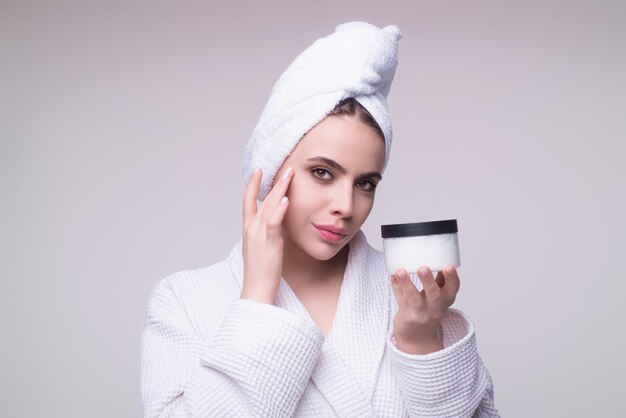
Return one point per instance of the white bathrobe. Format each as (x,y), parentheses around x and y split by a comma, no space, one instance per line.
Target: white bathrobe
(207,353)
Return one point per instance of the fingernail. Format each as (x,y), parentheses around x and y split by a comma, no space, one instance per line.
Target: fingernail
(284,200)
(286,174)
(255,171)
(401,275)
(423,271)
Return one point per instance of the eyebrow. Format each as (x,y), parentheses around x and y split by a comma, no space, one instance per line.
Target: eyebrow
(342,170)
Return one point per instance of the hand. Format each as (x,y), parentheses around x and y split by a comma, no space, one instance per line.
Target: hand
(416,324)
(262,238)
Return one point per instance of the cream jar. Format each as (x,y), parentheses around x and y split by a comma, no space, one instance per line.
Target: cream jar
(409,246)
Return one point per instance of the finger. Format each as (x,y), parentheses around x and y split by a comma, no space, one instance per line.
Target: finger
(440,279)
(276,219)
(276,194)
(428,281)
(395,286)
(250,196)
(453,283)
(409,291)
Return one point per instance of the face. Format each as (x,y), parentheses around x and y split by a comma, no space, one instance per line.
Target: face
(337,167)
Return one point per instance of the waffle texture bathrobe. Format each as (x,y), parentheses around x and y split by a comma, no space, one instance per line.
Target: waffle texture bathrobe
(205,352)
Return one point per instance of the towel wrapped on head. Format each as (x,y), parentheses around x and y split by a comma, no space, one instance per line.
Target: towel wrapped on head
(358,60)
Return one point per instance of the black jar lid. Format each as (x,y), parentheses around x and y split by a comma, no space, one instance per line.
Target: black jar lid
(421,228)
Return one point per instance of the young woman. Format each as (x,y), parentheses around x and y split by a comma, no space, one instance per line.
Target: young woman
(301,318)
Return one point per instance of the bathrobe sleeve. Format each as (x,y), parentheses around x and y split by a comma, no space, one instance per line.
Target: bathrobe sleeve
(257,363)
(452,382)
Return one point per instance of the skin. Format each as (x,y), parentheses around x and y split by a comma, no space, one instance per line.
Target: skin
(279,239)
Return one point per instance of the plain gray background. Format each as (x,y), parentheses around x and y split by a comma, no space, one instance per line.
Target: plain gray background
(123,129)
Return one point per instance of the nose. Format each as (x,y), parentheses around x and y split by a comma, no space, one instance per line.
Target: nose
(342,201)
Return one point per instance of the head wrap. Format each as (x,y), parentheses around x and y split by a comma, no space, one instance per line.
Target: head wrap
(357,60)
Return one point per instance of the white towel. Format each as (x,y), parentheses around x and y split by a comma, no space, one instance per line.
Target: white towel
(358,60)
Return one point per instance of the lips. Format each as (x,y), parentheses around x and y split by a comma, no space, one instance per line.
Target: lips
(331,228)
(327,234)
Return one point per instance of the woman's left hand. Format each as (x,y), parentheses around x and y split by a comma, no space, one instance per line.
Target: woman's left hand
(416,324)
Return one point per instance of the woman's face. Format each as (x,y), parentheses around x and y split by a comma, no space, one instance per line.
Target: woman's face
(337,167)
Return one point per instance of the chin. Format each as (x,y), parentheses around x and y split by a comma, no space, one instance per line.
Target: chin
(324,252)
(314,247)
(325,256)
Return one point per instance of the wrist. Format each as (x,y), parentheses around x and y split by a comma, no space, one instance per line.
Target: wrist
(258,296)
(423,342)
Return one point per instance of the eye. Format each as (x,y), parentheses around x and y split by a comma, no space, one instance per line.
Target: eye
(320,173)
(367,185)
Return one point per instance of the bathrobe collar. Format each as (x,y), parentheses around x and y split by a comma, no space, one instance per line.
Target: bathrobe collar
(348,365)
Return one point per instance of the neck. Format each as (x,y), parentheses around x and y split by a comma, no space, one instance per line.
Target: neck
(300,269)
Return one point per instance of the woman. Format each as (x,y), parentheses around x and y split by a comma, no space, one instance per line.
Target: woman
(300,320)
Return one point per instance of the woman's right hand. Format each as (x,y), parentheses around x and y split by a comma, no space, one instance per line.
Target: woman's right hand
(262,238)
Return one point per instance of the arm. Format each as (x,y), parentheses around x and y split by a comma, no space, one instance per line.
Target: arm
(258,363)
(434,350)
(450,382)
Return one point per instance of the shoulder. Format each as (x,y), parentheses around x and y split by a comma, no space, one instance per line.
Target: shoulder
(362,247)
(187,283)
(375,260)
(206,282)
(200,297)
(374,254)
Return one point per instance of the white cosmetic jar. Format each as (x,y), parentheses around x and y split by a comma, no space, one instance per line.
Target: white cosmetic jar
(410,246)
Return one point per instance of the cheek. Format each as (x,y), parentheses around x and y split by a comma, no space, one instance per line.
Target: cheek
(364,206)
(301,191)
(298,201)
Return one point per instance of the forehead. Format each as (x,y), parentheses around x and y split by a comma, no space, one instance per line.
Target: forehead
(345,140)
